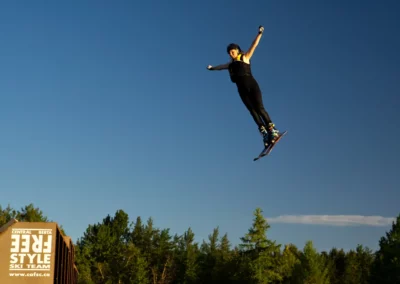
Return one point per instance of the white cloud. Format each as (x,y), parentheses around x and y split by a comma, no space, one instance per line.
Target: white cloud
(333,220)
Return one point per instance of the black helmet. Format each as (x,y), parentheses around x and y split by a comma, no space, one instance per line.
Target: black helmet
(233,46)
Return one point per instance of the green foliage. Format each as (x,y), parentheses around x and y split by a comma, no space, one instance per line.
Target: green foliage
(290,260)
(264,259)
(7,214)
(386,268)
(337,265)
(312,268)
(27,214)
(117,251)
(357,266)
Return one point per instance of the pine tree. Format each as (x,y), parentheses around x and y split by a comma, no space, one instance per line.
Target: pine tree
(263,253)
(187,259)
(312,269)
(208,259)
(289,261)
(6,215)
(191,255)
(162,258)
(386,268)
(358,264)
(137,235)
(140,271)
(31,214)
(365,259)
(337,265)
(104,247)
(352,269)
(223,269)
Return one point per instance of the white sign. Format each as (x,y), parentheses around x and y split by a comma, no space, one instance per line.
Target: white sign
(31,250)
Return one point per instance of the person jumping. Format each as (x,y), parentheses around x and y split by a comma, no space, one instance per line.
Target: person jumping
(248,88)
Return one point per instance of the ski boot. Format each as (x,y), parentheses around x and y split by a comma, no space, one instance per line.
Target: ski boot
(266,136)
(273,133)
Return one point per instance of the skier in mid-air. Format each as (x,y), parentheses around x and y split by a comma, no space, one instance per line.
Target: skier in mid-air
(248,88)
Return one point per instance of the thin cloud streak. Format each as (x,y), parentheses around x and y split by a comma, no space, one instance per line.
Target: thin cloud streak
(333,220)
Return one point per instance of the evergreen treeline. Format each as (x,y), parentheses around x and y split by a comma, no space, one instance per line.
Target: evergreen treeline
(116,251)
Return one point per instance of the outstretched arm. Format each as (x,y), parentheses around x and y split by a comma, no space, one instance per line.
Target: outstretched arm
(253,46)
(218,67)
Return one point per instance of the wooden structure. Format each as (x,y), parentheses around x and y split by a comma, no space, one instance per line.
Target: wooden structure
(36,252)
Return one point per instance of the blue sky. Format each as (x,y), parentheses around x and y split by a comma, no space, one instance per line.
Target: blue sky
(108,105)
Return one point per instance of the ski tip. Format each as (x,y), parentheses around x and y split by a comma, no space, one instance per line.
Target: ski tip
(283,132)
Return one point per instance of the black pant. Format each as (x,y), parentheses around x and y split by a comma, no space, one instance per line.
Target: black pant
(251,96)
